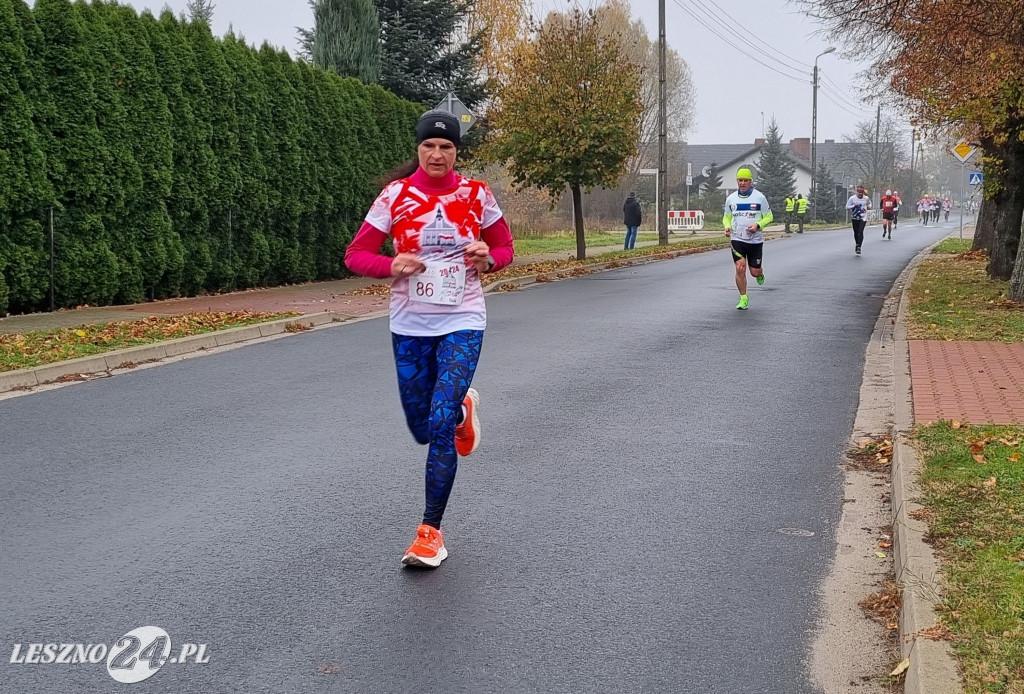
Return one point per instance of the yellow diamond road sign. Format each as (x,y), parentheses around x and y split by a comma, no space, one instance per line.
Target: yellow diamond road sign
(964,150)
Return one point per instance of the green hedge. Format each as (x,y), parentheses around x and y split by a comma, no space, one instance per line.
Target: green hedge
(175,162)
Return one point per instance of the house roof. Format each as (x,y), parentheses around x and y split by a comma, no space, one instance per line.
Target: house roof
(705,155)
(836,155)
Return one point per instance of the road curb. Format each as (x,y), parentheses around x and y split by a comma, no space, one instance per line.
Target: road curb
(933,669)
(74,369)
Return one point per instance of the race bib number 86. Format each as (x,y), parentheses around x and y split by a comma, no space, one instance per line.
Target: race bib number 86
(440,283)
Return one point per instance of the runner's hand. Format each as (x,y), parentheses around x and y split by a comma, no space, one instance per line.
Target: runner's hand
(728,232)
(752,228)
(406,264)
(477,254)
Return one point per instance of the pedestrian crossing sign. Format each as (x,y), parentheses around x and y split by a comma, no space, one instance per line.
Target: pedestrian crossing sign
(974,179)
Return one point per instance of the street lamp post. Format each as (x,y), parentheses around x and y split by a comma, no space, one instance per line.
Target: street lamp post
(814,131)
(846,189)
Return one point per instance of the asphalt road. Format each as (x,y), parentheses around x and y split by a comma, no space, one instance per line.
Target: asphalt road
(652,509)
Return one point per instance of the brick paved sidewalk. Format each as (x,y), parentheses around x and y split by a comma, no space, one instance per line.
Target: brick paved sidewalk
(975,382)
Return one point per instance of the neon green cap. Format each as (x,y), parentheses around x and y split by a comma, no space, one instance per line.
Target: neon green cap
(744,173)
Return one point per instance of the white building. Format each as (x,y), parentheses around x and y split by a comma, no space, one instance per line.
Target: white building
(845,161)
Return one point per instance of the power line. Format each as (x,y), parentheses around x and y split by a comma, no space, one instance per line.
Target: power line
(839,105)
(844,100)
(841,100)
(839,91)
(739,49)
(830,80)
(723,16)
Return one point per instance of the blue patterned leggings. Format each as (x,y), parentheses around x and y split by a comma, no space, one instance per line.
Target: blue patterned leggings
(434,374)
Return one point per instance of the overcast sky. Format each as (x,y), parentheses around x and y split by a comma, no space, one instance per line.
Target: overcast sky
(732,89)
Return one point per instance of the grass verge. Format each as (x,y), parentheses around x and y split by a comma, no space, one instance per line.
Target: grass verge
(39,347)
(953,299)
(973,490)
(556,243)
(954,246)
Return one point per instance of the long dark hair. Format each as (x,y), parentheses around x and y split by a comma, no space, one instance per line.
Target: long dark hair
(403,170)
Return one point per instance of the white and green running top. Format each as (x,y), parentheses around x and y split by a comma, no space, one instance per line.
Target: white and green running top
(743,210)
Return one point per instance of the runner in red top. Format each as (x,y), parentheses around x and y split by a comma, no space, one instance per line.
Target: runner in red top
(888,204)
(447,230)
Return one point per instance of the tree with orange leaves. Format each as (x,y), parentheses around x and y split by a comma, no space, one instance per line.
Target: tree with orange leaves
(966,78)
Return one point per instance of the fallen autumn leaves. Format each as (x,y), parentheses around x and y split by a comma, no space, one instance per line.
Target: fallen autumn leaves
(551,270)
(22,351)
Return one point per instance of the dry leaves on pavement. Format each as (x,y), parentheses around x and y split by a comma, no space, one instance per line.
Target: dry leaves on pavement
(19,351)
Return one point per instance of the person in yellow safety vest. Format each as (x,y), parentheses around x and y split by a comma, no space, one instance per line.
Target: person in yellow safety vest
(801,211)
(790,206)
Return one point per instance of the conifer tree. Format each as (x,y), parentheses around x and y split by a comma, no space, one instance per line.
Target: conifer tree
(826,205)
(712,197)
(24,188)
(175,161)
(210,257)
(78,159)
(345,38)
(122,183)
(192,158)
(249,250)
(200,10)
(776,174)
(148,130)
(423,54)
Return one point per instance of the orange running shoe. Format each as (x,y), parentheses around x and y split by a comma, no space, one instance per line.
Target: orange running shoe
(467,434)
(427,549)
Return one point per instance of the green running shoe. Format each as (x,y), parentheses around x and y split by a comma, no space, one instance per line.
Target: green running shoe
(760,279)
(742,305)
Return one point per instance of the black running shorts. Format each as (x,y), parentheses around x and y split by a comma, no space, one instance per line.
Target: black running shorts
(750,251)
(888,215)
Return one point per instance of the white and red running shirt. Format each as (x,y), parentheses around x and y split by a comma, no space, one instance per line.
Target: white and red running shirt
(436,227)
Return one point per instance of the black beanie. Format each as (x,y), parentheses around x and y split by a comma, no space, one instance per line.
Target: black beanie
(438,124)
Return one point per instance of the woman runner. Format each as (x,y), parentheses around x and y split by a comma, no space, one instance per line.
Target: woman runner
(447,230)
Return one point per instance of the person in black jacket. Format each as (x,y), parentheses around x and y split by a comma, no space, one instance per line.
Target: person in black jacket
(632,216)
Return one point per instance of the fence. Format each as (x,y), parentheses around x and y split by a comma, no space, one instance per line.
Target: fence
(685,220)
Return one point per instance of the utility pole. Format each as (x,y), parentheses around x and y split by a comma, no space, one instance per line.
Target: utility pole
(878,126)
(814,134)
(662,132)
(913,152)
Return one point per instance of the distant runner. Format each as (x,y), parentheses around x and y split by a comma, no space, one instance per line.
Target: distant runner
(859,204)
(888,204)
(746,214)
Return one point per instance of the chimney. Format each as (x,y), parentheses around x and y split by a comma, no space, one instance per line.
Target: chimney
(759,142)
(801,147)
(830,142)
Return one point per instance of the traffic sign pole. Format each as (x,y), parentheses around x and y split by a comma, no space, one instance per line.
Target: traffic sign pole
(689,182)
(961,201)
(963,151)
